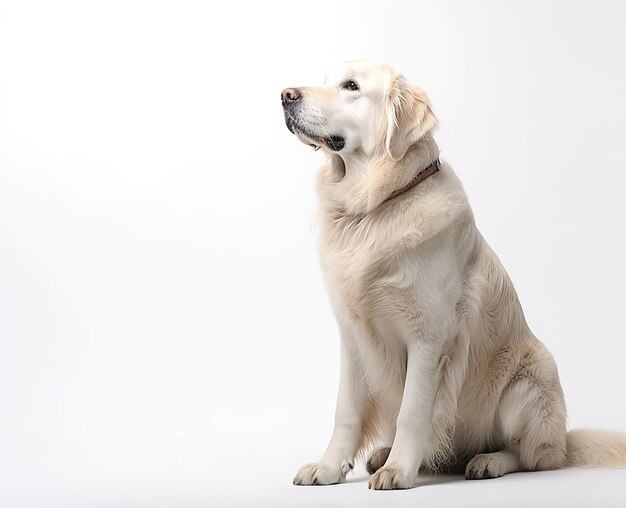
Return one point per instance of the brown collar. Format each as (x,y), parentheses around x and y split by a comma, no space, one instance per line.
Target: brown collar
(429,170)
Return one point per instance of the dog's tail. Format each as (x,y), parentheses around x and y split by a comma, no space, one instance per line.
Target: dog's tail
(596,448)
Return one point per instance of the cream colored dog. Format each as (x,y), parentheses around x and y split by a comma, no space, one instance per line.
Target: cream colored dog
(439,369)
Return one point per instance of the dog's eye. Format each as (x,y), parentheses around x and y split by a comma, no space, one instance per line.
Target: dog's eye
(351,85)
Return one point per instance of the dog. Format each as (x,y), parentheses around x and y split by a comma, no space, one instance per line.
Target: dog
(439,369)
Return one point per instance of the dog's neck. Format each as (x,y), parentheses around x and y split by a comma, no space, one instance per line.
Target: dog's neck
(361,183)
(422,175)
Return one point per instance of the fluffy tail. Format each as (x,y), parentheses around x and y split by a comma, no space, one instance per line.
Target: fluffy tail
(596,448)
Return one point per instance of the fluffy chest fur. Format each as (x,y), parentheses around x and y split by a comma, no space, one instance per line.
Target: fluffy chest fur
(399,261)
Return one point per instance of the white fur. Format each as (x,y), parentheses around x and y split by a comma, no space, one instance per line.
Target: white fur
(437,360)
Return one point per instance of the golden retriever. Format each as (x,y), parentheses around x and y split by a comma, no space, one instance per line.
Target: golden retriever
(439,369)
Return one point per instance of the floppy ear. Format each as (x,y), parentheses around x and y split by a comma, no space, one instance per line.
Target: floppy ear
(409,117)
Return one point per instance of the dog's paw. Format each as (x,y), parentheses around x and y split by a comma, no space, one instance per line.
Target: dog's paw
(483,466)
(377,459)
(322,474)
(388,478)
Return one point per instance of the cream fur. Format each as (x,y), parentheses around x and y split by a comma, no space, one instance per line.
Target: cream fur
(438,364)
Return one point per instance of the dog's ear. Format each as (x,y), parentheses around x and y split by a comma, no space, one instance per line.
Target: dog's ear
(409,116)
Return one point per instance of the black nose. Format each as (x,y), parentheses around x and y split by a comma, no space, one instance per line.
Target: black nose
(290,95)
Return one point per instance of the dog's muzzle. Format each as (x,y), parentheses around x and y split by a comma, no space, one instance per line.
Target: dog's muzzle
(291,99)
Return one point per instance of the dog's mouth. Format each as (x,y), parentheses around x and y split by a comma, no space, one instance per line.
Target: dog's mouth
(308,137)
(334,143)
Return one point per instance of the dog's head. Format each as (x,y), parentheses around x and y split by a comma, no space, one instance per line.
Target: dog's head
(363,107)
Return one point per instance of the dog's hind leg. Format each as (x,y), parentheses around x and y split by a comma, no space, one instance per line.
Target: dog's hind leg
(377,458)
(531,417)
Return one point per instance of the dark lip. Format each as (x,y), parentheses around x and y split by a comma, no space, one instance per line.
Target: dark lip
(336,143)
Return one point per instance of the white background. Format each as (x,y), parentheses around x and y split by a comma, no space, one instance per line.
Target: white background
(165,336)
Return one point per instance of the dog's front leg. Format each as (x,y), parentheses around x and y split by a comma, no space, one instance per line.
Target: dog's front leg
(414,424)
(338,459)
